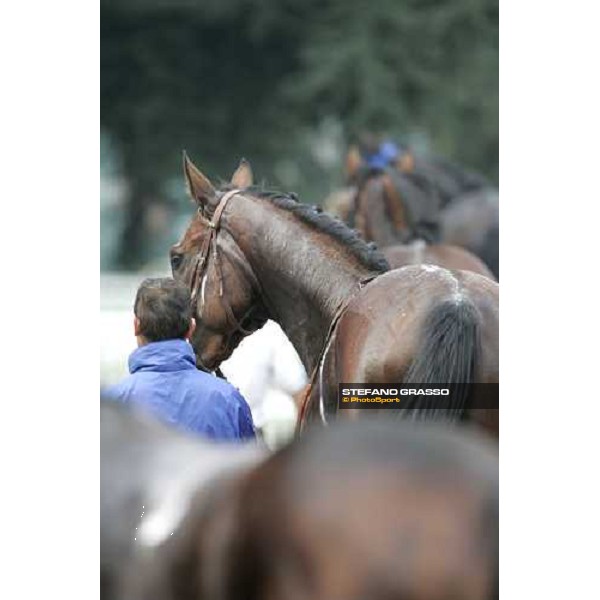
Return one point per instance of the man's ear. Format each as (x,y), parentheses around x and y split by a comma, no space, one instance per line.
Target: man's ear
(136,327)
(191,330)
(353,162)
(199,187)
(242,178)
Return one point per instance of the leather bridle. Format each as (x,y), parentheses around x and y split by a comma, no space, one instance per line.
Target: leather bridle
(210,247)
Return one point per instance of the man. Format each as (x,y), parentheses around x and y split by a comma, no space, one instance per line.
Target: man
(164,379)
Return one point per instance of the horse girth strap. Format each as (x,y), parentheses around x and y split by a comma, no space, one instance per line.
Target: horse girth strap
(306,402)
(339,313)
(210,244)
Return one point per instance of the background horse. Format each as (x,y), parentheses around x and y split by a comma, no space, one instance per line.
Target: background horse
(249,255)
(472,221)
(391,207)
(450,180)
(387,211)
(378,510)
(467,203)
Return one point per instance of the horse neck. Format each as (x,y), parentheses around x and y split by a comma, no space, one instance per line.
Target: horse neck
(305,275)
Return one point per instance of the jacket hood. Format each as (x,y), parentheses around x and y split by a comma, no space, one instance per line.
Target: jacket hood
(167,355)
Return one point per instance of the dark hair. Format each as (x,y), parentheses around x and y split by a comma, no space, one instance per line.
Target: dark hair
(164,309)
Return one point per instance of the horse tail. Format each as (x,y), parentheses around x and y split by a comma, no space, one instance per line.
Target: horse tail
(448,353)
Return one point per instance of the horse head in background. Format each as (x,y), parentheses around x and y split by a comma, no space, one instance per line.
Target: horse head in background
(341,202)
(391,207)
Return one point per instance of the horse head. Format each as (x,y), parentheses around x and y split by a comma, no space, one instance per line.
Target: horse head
(224,290)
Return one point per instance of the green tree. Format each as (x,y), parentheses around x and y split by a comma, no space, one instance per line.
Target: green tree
(280,82)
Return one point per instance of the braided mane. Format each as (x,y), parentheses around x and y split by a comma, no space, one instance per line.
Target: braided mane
(367,253)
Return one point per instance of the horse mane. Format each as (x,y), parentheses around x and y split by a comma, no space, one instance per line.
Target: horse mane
(367,253)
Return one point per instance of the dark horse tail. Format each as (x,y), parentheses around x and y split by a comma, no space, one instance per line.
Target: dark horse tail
(447,354)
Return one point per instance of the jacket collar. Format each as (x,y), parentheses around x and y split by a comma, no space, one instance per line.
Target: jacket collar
(167,355)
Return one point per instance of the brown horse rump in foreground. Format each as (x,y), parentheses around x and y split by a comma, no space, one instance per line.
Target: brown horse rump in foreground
(372,510)
(250,255)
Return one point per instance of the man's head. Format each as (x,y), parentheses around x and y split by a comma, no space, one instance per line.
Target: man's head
(162,311)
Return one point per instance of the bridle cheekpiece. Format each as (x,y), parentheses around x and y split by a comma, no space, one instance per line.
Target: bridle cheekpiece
(210,247)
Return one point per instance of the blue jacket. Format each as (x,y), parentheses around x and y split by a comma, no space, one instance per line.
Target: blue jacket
(165,381)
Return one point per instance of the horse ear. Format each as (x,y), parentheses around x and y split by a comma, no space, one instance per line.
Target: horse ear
(353,161)
(199,187)
(406,162)
(242,178)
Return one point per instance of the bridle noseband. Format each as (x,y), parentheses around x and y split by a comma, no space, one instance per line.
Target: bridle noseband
(210,246)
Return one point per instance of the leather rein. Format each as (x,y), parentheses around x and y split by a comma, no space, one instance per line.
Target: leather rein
(210,247)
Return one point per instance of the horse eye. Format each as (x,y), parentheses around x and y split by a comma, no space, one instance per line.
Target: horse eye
(176,260)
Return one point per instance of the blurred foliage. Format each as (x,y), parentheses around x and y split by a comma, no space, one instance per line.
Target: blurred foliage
(288,84)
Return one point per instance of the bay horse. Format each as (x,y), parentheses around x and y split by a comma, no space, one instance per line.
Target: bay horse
(450,180)
(373,510)
(391,207)
(383,215)
(472,222)
(249,255)
(469,205)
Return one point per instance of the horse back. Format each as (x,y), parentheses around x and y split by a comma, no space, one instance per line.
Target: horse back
(449,257)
